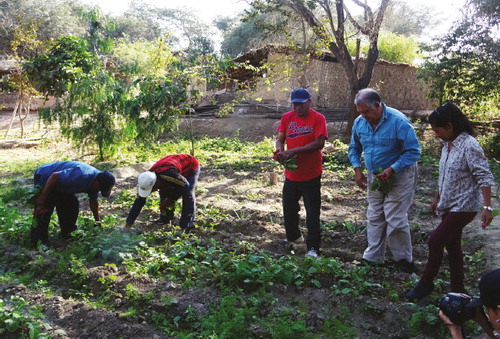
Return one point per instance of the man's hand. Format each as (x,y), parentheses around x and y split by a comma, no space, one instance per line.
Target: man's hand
(385,174)
(275,155)
(360,178)
(282,156)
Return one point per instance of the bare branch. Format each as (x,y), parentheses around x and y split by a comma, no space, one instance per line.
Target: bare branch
(363,29)
(365,7)
(380,16)
(326,4)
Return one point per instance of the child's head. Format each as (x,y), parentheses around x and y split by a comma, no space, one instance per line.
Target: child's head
(449,114)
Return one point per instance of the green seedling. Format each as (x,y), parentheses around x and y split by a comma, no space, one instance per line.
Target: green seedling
(290,164)
(383,186)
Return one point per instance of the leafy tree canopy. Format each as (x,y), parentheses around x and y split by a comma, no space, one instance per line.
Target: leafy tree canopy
(465,66)
(55,18)
(393,47)
(143,58)
(67,61)
(407,18)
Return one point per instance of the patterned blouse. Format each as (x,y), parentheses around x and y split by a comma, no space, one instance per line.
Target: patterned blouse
(463,170)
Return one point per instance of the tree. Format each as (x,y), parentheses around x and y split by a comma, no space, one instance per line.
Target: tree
(392,47)
(138,23)
(24,41)
(68,61)
(189,33)
(465,66)
(262,30)
(409,20)
(54,18)
(328,20)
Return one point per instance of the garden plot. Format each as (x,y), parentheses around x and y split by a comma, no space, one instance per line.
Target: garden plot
(230,277)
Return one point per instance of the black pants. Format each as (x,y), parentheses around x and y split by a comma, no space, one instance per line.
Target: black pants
(67,209)
(310,191)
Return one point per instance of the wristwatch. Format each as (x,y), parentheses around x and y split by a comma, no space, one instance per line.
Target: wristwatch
(487,208)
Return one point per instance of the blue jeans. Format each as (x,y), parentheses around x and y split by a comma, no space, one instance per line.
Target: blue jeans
(188,200)
(310,191)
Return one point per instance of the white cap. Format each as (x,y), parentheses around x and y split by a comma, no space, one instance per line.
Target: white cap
(146,181)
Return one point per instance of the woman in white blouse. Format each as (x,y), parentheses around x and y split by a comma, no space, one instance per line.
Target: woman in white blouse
(464,177)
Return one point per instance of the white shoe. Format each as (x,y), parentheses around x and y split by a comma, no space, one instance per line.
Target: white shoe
(312,253)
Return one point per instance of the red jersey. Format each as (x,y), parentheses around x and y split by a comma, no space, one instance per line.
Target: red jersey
(173,169)
(184,163)
(300,132)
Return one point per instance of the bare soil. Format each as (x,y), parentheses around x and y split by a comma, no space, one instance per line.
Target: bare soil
(254,204)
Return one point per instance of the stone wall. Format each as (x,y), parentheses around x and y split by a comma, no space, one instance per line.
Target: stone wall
(397,83)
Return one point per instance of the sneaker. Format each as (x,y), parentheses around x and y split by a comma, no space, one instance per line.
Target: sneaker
(405,266)
(420,291)
(312,254)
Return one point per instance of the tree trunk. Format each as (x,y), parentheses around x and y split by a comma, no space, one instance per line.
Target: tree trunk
(14,113)
(27,109)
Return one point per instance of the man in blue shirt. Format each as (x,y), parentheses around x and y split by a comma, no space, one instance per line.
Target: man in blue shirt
(390,147)
(59,182)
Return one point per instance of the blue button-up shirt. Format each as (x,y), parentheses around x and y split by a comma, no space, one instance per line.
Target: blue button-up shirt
(393,143)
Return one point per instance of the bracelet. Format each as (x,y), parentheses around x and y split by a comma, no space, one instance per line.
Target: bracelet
(487,208)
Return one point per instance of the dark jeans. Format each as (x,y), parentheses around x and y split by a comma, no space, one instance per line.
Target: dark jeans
(67,208)
(188,200)
(448,235)
(310,191)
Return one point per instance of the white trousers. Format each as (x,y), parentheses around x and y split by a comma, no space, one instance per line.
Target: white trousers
(388,217)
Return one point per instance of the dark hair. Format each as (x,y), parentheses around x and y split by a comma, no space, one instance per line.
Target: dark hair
(368,96)
(450,113)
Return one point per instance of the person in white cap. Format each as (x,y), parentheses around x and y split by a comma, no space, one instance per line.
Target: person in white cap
(174,176)
(489,289)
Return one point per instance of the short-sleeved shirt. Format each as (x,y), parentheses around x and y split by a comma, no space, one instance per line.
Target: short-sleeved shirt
(392,143)
(73,177)
(301,131)
(463,170)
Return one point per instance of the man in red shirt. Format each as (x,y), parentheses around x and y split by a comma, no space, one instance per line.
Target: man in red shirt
(174,176)
(304,132)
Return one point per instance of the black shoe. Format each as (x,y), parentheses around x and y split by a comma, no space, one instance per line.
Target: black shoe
(420,291)
(405,266)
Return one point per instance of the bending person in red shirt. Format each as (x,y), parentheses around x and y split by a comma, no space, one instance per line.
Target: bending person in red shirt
(174,176)
(304,132)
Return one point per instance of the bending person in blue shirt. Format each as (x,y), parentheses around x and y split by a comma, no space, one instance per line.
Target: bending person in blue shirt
(389,144)
(59,182)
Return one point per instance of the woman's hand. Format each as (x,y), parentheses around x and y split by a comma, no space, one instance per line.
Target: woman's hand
(434,204)
(486,217)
